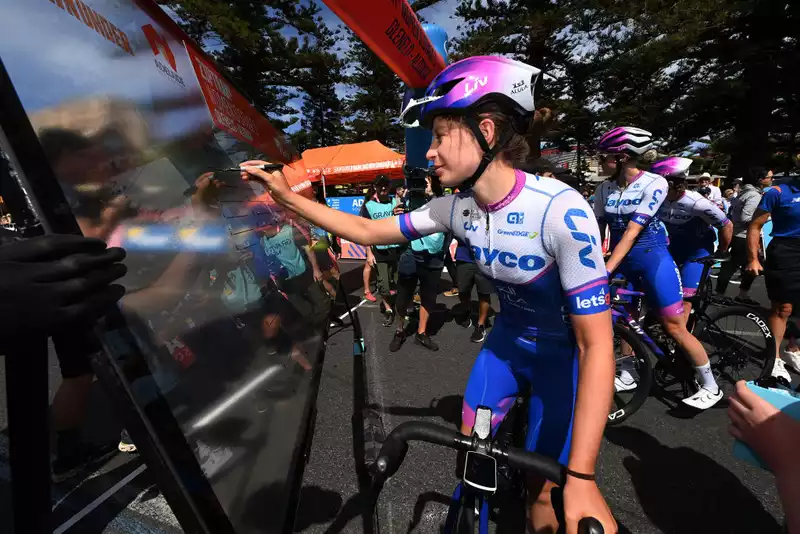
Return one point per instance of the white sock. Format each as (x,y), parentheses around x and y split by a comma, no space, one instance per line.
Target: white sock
(706,378)
(626,377)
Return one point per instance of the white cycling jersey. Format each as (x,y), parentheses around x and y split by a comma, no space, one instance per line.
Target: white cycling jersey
(689,220)
(540,245)
(639,202)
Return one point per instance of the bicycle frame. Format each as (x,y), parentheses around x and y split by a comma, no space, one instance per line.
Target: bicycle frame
(699,302)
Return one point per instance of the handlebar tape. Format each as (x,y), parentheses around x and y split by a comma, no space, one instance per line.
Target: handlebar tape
(536,463)
(394,449)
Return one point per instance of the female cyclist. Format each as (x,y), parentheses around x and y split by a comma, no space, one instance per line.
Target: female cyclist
(536,238)
(629,202)
(688,217)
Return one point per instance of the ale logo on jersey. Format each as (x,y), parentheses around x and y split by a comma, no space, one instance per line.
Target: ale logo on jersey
(515,217)
(162,52)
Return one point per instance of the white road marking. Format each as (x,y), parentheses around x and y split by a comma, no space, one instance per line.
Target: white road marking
(100,500)
(345,314)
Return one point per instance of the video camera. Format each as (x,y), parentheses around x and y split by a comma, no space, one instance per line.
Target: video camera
(415,178)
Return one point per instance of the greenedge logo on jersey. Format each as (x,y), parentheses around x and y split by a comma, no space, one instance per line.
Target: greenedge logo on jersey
(518,233)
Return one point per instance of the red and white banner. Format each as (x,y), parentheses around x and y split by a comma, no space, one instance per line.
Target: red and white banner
(391,29)
(231,112)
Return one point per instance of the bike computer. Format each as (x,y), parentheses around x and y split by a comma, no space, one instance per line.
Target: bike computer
(480,472)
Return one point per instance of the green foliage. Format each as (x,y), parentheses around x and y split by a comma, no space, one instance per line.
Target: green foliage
(681,69)
(374,105)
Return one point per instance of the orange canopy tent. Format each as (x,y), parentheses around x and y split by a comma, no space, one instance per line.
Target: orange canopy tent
(358,162)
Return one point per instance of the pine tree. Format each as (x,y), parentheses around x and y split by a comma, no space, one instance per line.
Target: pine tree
(374,106)
(249,40)
(322,122)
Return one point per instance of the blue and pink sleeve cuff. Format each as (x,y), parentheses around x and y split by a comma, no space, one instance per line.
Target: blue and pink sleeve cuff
(407,227)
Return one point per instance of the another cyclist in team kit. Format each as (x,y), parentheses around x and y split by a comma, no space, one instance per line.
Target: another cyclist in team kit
(536,238)
(629,203)
(689,217)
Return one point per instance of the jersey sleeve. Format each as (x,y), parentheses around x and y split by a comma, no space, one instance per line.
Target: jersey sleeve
(770,200)
(572,237)
(599,201)
(709,212)
(652,197)
(432,218)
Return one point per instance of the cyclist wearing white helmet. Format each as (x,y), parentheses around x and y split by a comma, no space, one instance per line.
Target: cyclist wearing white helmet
(629,203)
(536,238)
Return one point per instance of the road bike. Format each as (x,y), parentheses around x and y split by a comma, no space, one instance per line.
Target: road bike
(469,505)
(739,344)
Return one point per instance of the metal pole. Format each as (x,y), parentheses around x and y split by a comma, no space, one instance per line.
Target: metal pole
(29,435)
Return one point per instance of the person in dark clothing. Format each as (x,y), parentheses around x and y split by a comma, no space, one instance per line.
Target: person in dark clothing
(421,263)
(742,209)
(468,276)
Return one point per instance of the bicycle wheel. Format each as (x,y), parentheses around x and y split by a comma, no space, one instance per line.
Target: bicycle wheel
(637,366)
(739,343)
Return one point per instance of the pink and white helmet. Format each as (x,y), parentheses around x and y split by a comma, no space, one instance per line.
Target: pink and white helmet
(626,140)
(673,167)
(466,85)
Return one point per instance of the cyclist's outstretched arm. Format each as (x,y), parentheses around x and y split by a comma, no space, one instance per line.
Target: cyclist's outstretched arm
(572,237)
(352,227)
(652,198)
(760,218)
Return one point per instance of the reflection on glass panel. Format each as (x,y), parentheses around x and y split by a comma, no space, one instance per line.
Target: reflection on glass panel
(223,296)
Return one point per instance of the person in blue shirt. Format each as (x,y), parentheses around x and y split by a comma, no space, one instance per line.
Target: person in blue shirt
(782,266)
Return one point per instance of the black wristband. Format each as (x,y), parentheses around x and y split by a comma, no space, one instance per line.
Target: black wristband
(581,476)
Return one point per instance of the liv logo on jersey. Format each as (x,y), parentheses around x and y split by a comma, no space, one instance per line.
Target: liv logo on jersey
(515,217)
(584,253)
(470,226)
(528,262)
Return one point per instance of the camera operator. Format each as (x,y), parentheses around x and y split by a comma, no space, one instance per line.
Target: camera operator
(742,209)
(422,262)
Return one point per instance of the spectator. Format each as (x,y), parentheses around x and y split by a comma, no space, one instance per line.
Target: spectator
(742,209)
(775,438)
(737,186)
(782,265)
(469,275)
(379,205)
(715,195)
(422,262)
(727,197)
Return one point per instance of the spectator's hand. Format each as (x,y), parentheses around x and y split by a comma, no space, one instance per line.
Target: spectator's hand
(755,267)
(773,435)
(51,281)
(275,182)
(317,274)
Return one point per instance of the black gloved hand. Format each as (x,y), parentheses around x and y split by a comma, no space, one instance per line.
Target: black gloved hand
(48,283)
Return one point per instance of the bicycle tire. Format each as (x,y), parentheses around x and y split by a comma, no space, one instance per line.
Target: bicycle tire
(622,410)
(729,355)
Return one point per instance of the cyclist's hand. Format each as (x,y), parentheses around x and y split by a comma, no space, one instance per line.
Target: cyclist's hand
(582,498)
(755,267)
(275,182)
(773,435)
